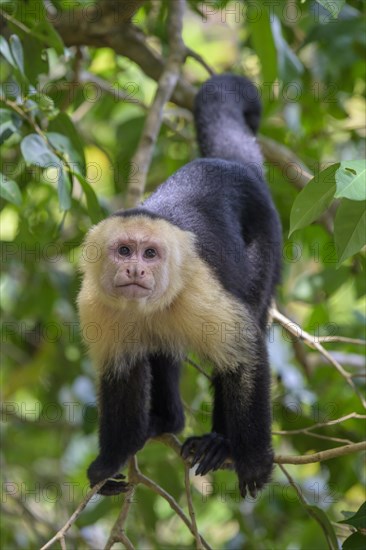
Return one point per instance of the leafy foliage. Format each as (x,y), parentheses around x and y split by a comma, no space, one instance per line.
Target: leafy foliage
(71,118)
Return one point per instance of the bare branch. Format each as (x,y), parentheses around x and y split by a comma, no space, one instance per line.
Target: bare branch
(321,455)
(311,341)
(128,40)
(309,509)
(172,503)
(118,533)
(192,514)
(167,82)
(60,535)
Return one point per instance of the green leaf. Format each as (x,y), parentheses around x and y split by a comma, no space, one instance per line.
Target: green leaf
(314,199)
(94,209)
(350,228)
(36,151)
(33,16)
(355,542)
(351,180)
(9,124)
(5,51)
(47,34)
(35,59)
(17,52)
(358,519)
(44,102)
(62,124)
(64,188)
(289,65)
(333,6)
(9,190)
(260,27)
(325,524)
(63,144)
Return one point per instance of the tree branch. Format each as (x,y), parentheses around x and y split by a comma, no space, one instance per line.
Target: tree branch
(313,342)
(60,535)
(167,83)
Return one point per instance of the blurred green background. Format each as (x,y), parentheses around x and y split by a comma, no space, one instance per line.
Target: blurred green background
(308,61)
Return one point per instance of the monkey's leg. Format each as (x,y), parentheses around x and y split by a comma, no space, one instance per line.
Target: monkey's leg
(123,422)
(212,449)
(243,401)
(166,413)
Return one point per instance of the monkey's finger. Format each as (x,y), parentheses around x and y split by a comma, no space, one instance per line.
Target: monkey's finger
(221,457)
(203,448)
(243,488)
(253,489)
(209,458)
(189,446)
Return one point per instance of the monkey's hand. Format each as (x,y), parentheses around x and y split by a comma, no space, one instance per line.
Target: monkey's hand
(254,472)
(209,451)
(99,470)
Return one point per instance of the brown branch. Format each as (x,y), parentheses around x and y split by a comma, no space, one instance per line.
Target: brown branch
(201,61)
(60,535)
(321,455)
(308,508)
(310,429)
(102,30)
(171,501)
(192,514)
(129,41)
(118,532)
(312,341)
(166,85)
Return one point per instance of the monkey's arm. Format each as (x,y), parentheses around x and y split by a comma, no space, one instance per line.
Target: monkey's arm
(124,395)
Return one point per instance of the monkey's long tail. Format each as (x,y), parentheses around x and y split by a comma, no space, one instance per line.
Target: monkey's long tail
(227,115)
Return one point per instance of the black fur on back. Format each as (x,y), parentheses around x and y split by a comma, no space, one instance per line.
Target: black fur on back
(224,199)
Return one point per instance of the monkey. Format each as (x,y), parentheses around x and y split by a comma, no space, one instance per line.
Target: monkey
(193,268)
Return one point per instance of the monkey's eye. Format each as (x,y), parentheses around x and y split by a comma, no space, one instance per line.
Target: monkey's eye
(123,251)
(150,253)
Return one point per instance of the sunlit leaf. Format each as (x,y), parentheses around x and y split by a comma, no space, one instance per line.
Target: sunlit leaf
(314,199)
(9,190)
(17,52)
(351,180)
(350,228)
(36,151)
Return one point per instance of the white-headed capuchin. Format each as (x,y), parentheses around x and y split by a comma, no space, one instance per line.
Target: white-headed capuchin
(191,269)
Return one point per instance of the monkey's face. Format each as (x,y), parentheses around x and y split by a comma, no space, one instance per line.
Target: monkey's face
(137,259)
(136,267)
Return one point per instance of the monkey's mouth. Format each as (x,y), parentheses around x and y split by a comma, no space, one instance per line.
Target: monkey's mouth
(133,285)
(133,291)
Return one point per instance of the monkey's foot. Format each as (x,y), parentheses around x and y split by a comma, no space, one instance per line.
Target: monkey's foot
(254,473)
(114,485)
(209,451)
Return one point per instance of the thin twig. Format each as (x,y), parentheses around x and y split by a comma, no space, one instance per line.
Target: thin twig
(172,503)
(192,514)
(166,85)
(311,341)
(309,509)
(118,532)
(321,455)
(199,368)
(61,533)
(310,429)
(345,339)
(199,58)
